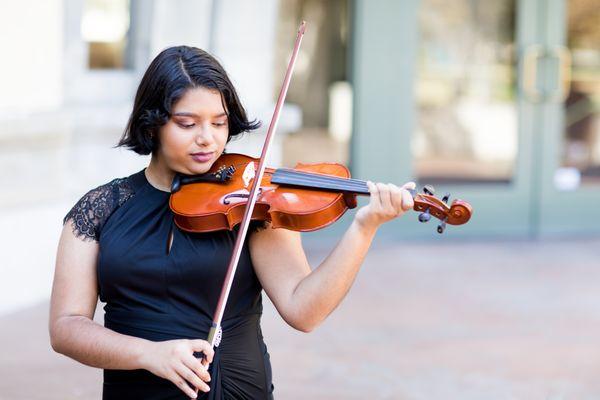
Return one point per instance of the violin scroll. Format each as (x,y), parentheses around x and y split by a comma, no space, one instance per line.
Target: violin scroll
(458,213)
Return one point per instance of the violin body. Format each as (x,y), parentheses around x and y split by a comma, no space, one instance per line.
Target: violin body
(214,205)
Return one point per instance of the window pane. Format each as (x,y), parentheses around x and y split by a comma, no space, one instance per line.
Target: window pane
(320,90)
(104,26)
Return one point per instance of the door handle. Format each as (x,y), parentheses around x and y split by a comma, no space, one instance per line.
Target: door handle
(530,72)
(563,78)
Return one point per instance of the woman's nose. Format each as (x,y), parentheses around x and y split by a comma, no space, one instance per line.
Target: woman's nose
(203,136)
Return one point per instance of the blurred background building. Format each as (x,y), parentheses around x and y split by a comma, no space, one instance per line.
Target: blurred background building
(495,102)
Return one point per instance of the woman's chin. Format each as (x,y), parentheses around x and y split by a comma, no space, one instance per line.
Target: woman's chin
(198,168)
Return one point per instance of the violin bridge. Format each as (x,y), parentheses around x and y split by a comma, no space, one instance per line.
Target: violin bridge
(249,174)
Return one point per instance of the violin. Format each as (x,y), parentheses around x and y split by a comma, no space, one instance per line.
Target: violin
(305,198)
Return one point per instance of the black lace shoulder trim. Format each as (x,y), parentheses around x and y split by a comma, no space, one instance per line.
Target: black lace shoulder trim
(91,212)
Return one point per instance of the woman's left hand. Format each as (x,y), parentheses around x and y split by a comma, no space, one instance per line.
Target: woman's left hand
(387,202)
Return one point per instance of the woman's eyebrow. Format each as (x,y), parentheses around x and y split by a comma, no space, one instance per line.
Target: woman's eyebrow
(185,114)
(190,114)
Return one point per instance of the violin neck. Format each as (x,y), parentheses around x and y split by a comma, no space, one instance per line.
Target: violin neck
(292,177)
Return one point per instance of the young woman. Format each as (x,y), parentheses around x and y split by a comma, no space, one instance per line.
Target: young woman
(161,284)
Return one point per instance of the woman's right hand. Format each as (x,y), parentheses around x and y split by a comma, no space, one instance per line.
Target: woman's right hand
(174,360)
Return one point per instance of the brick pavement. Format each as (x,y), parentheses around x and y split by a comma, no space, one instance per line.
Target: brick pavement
(453,320)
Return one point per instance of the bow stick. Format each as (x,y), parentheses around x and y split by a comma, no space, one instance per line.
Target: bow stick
(214,335)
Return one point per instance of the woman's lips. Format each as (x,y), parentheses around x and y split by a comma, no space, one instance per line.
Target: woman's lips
(202,157)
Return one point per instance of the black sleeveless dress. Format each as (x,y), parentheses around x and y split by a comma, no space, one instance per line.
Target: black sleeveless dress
(157,293)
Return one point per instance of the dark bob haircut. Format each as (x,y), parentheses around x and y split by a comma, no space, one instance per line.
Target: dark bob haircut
(170,74)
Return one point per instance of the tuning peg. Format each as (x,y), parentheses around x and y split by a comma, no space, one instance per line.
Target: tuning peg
(425,216)
(442,227)
(428,189)
(446,198)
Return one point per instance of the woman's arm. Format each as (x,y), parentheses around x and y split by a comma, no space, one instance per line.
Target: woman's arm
(72,305)
(74,333)
(303,297)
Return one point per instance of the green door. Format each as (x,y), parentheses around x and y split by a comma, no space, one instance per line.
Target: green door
(569,129)
(441,97)
(497,103)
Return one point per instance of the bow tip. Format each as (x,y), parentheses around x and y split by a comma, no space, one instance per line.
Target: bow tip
(302,27)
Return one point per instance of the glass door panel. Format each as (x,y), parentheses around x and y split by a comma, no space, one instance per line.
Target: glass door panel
(580,164)
(473,133)
(570,122)
(467,125)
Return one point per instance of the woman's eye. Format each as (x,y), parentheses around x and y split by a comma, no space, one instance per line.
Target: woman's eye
(219,124)
(186,125)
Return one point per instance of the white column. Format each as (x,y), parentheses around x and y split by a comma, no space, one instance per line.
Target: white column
(31,36)
(180,22)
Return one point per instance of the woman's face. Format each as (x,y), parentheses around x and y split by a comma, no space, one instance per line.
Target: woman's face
(196,134)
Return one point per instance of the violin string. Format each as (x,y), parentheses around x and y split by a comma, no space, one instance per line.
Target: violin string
(329,187)
(324,183)
(312,174)
(332,182)
(336,182)
(304,178)
(339,182)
